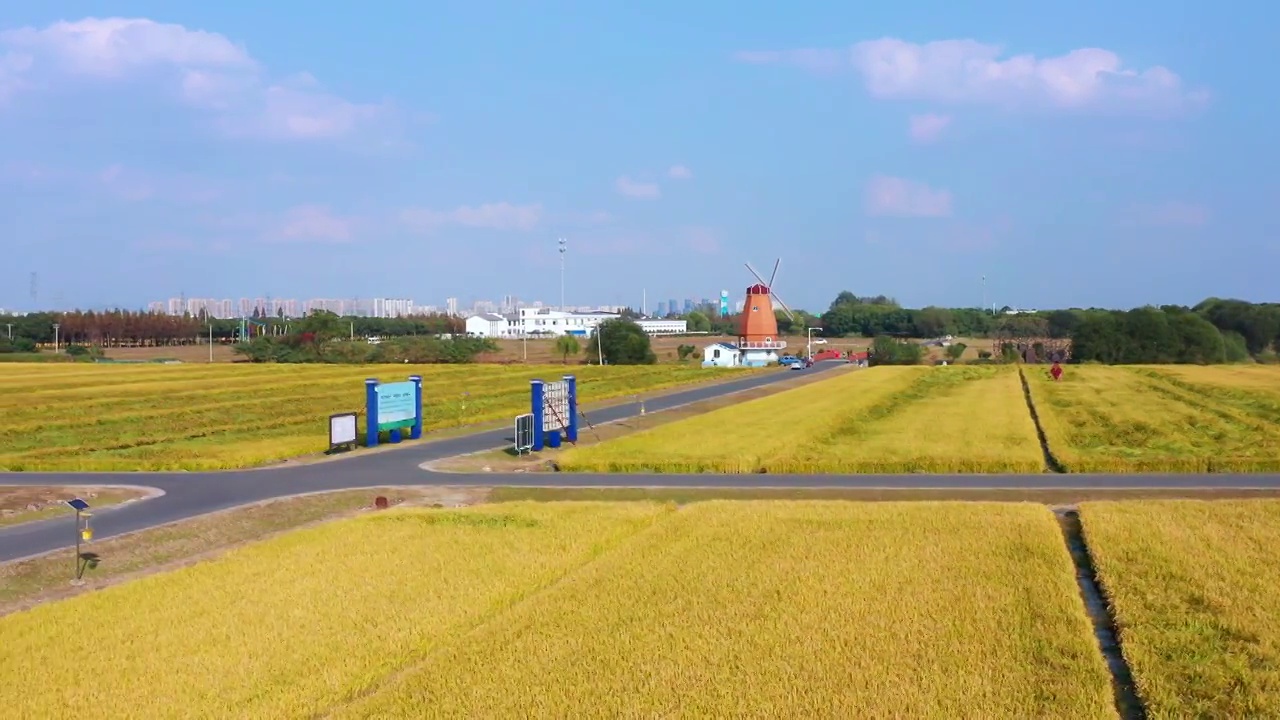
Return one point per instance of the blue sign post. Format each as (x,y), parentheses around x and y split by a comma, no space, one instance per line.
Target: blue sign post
(393,407)
(554,407)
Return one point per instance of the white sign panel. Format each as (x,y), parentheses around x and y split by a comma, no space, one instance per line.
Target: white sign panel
(342,429)
(555,403)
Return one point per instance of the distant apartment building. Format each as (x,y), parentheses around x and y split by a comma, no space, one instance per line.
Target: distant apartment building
(451,306)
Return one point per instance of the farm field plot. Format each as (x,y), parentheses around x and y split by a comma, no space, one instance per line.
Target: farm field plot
(722,608)
(1194,586)
(208,417)
(881,420)
(1158,419)
(286,627)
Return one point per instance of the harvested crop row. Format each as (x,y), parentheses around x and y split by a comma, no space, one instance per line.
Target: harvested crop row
(1194,587)
(788,610)
(288,627)
(1136,419)
(209,418)
(883,420)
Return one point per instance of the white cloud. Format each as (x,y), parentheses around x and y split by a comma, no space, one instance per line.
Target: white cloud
(967,71)
(313,223)
(926,128)
(633,189)
(679,172)
(1171,214)
(905,198)
(491,216)
(203,70)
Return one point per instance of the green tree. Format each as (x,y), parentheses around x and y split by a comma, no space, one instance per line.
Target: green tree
(684,351)
(954,351)
(698,321)
(567,345)
(621,342)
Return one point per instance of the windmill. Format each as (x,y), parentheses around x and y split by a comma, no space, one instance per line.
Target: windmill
(758,332)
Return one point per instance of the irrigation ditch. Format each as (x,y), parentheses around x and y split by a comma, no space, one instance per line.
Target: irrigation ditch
(1051,462)
(1128,703)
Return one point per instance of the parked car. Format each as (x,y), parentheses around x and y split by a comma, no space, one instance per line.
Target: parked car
(788,360)
(819,341)
(798,365)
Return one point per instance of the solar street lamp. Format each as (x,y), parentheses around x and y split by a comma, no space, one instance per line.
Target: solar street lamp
(84,533)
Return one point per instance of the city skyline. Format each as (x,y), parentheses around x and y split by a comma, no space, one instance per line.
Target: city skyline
(266,305)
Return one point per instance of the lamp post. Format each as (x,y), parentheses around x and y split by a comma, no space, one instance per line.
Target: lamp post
(10,327)
(211,340)
(562,250)
(984,292)
(809,341)
(55,336)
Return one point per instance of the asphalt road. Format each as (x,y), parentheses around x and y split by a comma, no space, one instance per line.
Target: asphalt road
(188,494)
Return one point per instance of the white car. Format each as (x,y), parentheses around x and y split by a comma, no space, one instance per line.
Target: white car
(819,341)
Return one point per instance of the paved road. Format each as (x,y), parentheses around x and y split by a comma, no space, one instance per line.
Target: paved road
(187,494)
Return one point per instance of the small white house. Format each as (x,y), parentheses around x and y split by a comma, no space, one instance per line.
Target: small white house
(488,325)
(721,355)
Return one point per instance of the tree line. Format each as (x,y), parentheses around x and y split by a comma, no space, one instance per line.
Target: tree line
(1215,330)
(125,328)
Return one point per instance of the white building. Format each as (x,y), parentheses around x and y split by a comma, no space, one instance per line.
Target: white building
(721,355)
(533,321)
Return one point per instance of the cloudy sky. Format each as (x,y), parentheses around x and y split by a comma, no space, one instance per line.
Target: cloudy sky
(1074,153)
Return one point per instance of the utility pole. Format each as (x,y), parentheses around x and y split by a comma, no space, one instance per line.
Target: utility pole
(55,336)
(562,250)
(984,292)
(210,339)
(10,327)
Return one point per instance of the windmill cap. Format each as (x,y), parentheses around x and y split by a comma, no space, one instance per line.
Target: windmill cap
(758,289)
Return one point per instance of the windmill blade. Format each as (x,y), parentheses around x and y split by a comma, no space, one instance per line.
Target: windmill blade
(790,315)
(753,272)
(774,275)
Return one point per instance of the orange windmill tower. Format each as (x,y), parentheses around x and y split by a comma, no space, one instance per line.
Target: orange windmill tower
(758,329)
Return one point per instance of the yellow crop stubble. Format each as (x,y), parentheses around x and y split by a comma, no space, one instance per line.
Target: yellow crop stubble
(287,627)
(196,417)
(789,609)
(1196,591)
(882,420)
(1145,419)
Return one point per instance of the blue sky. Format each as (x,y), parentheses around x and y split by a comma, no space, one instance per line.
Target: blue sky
(1076,154)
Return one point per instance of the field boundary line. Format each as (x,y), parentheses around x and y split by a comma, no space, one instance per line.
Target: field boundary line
(1097,606)
(389,680)
(1051,462)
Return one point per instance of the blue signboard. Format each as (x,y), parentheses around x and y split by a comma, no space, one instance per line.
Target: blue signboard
(397,405)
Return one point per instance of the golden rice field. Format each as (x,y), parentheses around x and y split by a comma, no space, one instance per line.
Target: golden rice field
(718,609)
(882,420)
(210,417)
(1161,418)
(1196,590)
